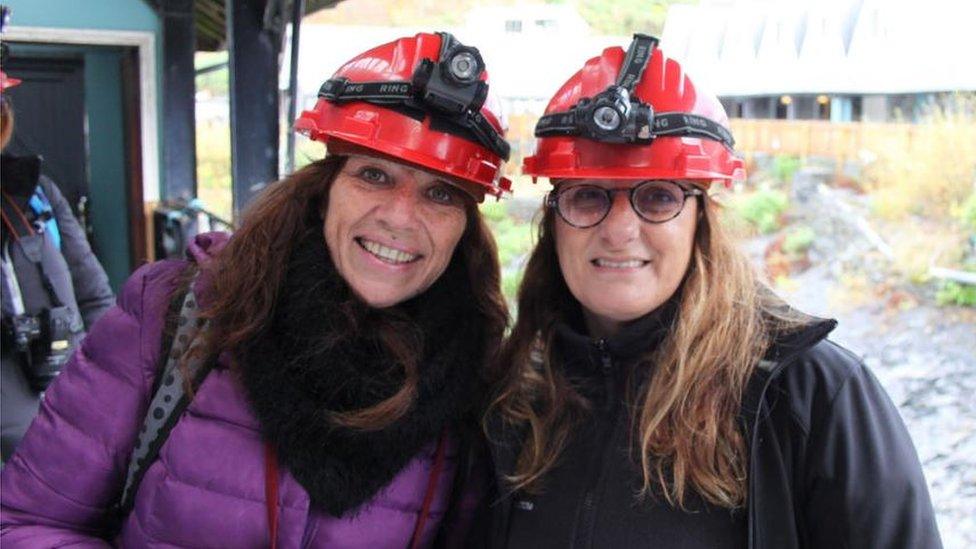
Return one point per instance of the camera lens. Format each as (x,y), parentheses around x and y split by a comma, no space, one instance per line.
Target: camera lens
(606,118)
(464,66)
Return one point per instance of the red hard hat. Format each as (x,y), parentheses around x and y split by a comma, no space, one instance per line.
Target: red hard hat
(406,129)
(7,82)
(666,88)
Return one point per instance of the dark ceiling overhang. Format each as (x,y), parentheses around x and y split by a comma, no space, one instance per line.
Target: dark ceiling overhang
(210,18)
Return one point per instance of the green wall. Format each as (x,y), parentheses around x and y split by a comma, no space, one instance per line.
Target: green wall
(106,161)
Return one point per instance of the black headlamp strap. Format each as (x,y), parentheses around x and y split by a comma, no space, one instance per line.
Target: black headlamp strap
(557,124)
(340,90)
(447,42)
(671,124)
(691,125)
(636,60)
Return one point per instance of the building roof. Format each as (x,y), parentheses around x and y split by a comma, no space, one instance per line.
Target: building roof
(760,47)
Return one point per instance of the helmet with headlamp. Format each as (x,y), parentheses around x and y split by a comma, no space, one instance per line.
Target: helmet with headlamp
(634,115)
(423,100)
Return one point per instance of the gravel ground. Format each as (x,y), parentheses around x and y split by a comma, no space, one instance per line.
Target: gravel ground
(924,355)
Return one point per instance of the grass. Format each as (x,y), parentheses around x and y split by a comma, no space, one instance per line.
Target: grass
(798,239)
(934,172)
(953,293)
(762,209)
(514,240)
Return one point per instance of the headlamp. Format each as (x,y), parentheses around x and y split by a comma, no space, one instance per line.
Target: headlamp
(452,85)
(465,65)
(611,116)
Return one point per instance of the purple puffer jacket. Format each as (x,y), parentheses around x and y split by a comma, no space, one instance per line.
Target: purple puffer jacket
(207,488)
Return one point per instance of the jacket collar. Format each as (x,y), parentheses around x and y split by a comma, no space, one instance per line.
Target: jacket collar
(786,346)
(580,354)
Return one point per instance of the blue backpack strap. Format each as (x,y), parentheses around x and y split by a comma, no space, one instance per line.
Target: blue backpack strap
(44,213)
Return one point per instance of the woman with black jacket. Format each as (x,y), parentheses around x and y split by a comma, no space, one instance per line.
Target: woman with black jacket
(652,392)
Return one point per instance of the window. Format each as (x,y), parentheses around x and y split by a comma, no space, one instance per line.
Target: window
(513,25)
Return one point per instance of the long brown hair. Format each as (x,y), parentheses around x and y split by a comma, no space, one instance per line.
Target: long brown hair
(685,421)
(246,275)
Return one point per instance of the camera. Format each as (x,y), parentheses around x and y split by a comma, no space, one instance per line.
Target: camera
(44,342)
(24,329)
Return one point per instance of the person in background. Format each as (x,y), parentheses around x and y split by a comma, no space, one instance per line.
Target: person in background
(308,381)
(652,393)
(53,285)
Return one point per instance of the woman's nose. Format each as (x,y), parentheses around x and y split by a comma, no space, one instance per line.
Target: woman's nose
(622,223)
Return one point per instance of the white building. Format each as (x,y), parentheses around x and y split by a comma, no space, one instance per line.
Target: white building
(830,59)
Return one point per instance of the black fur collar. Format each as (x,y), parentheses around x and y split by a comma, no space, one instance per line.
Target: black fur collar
(299,370)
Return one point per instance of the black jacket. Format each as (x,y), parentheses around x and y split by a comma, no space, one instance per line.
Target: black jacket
(831,464)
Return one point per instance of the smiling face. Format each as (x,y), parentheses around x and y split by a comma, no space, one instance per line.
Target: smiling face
(624,267)
(392,229)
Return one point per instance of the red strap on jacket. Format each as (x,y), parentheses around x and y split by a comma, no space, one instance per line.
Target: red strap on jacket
(20,213)
(435,474)
(271,491)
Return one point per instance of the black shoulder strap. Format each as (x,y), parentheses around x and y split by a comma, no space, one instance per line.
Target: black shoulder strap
(171,398)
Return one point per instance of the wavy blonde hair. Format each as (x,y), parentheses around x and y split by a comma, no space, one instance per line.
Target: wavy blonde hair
(686,432)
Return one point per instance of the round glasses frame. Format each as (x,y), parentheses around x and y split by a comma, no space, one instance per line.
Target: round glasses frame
(552,201)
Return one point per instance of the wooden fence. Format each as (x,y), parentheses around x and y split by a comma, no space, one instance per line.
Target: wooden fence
(841,141)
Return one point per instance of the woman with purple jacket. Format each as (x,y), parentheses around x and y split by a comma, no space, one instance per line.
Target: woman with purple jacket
(335,350)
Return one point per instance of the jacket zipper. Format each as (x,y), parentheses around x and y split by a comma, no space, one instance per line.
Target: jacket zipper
(584,530)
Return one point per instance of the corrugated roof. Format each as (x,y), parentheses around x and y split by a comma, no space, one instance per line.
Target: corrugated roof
(752,47)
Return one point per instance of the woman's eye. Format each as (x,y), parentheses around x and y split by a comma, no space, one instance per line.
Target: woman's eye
(587,196)
(663,197)
(442,194)
(374,176)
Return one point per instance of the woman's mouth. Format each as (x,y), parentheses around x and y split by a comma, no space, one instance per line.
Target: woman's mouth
(385,253)
(621,264)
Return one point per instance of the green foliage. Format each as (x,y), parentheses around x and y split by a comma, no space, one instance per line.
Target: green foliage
(761,209)
(213,168)
(967,213)
(217,82)
(798,239)
(785,166)
(625,17)
(510,284)
(494,212)
(514,239)
(953,293)
(932,171)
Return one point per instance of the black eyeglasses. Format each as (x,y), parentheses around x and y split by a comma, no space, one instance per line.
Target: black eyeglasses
(584,206)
